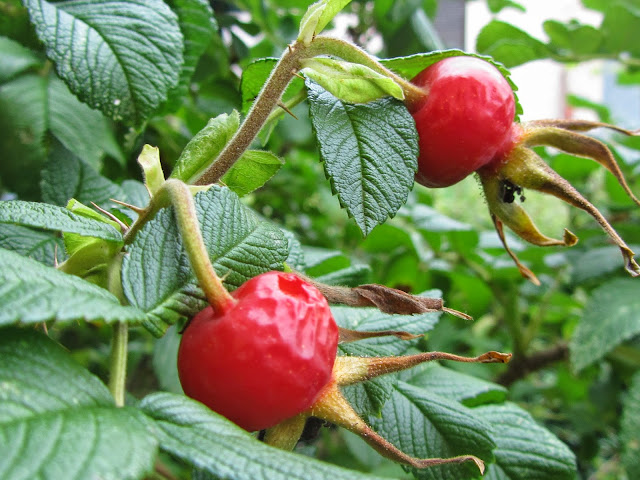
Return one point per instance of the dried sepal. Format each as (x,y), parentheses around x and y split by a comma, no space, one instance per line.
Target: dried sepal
(351,370)
(347,335)
(577,144)
(386,299)
(525,169)
(524,270)
(577,125)
(333,407)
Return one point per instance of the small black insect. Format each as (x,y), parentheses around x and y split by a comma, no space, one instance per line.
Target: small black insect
(510,190)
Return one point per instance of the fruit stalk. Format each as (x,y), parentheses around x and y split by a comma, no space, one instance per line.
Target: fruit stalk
(177,194)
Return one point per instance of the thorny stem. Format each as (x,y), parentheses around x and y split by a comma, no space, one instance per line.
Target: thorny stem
(118,367)
(271,94)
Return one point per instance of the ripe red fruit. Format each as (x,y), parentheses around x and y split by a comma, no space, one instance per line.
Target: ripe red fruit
(464,120)
(263,358)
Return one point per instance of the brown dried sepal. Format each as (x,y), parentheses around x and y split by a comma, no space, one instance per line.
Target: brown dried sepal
(386,299)
(347,336)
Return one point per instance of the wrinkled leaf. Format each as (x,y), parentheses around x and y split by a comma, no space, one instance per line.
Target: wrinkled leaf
(369,153)
(191,432)
(611,316)
(119,57)
(51,217)
(31,292)
(156,273)
(58,421)
(524,448)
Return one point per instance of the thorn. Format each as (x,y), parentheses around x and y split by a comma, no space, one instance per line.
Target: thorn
(298,75)
(55,256)
(286,109)
(111,217)
(138,210)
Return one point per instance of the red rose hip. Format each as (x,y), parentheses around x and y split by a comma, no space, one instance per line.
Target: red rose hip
(464,119)
(263,358)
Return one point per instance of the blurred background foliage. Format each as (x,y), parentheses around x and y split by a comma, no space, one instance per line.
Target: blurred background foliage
(575,337)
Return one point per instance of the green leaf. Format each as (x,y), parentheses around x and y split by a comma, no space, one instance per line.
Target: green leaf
(156,274)
(496,5)
(440,428)
(58,421)
(31,292)
(611,316)
(619,25)
(23,126)
(67,176)
(369,152)
(51,217)
(431,220)
(318,16)
(15,59)
(40,246)
(196,435)
(83,131)
(198,26)
(509,45)
(350,82)
(119,57)
(251,171)
(165,360)
(630,425)
(448,383)
(205,146)
(32,106)
(578,39)
(524,448)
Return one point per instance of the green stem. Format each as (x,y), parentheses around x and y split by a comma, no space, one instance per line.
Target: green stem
(177,194)
(118,367)
(271,94)
(187,219)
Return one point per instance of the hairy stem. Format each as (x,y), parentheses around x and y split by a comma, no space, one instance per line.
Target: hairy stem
(177,194)
(271,94)
(269,97)
(185,213)
(118,363)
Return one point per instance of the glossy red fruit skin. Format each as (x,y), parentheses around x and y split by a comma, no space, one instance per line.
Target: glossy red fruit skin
(464,119)
(266,357)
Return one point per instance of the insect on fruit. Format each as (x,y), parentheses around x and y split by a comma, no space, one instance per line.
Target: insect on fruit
(465,123)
